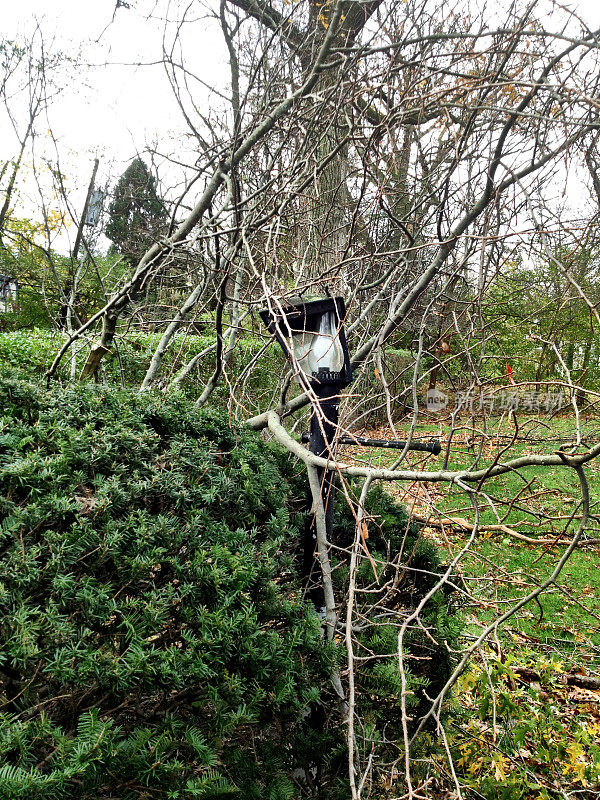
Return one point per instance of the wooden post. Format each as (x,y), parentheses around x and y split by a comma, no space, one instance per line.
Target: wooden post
(86,205)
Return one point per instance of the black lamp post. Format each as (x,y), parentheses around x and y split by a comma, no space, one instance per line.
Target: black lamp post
(312,336)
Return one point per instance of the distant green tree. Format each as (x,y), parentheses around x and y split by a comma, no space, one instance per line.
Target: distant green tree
(45,277)
(137,214)
(534,310)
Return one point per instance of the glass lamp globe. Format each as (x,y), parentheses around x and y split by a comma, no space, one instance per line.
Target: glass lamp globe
(312,335)
(321,352)
(326,353)
(302,346)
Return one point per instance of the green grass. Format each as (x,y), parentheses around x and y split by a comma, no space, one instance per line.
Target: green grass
(502,568)
(509,739)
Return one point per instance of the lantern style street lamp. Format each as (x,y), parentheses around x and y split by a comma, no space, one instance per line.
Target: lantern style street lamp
(312,336)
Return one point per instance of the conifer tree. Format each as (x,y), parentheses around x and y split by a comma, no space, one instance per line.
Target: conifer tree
(137,214)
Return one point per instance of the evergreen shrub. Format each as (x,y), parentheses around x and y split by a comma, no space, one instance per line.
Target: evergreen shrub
(153,642)
(153,637)
(408,566)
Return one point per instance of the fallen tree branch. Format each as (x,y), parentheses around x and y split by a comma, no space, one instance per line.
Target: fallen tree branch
(567,678)
(462,524)
(160,250)
(279,432)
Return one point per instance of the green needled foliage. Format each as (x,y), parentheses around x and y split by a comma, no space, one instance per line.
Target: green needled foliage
(153,641)
(153,637)
(408,566)
(137,215)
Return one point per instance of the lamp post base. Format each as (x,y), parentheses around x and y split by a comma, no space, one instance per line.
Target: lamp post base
(323,428)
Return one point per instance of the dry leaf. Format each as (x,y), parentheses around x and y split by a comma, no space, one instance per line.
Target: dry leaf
(88,504)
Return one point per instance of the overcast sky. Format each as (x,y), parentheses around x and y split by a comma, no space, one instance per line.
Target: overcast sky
(110,107)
